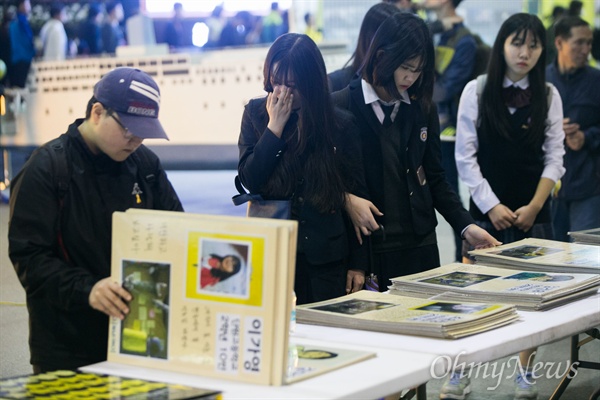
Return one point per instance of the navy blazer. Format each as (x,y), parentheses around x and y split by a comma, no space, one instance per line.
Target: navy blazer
(421,143)
(322,237)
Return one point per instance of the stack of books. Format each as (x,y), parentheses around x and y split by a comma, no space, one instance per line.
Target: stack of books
(588,236)
(527,290)
(381,312)
(542,255)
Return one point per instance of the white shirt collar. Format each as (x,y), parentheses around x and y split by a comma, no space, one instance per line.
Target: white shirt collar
(371,96)
(523,83)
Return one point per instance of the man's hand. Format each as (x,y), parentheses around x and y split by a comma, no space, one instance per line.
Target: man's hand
(502,217)
(110,298)
(574,137)
(361,213)
(480,238)
(355,280)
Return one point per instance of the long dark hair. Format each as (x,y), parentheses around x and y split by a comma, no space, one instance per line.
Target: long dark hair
(494,116)
(370,23)
(222,275)
(310,151)
(401,37)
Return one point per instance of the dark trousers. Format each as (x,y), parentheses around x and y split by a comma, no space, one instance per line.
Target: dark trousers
(318,282)
(392,264)
(449,165)
(18,73)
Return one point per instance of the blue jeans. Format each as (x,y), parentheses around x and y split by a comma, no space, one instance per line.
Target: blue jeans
(574,215)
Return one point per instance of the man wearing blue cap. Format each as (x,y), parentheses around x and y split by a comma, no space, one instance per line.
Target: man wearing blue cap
(61,207)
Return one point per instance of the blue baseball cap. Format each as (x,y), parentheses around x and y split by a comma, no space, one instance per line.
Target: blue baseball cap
(135,97)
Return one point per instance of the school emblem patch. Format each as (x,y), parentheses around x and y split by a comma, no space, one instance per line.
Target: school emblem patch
(423,134)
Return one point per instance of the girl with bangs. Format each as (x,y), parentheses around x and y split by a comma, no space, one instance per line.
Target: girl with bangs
(399,132)
(294,145)
(509,144)
(509,152)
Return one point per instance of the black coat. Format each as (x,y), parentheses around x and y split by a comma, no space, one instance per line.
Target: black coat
(421,142)
(322,237)
(65,332)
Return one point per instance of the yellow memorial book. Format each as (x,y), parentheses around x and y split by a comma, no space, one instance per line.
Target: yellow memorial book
(382,312)
(211,294)
(528,290)
(543,255)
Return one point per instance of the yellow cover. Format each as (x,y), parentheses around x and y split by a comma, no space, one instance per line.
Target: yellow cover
(183,318)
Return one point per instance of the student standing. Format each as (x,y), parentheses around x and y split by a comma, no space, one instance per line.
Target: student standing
(61,207)
(294,145)
(399,129)
(509,139)
(509,150)
(378,13)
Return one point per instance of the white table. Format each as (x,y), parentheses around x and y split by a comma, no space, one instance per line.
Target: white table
(391,371)
(533,329)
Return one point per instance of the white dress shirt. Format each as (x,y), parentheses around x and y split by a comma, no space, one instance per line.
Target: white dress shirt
(371,98)
(467,143)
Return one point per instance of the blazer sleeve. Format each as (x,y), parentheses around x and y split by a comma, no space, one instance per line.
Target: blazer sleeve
(260,150)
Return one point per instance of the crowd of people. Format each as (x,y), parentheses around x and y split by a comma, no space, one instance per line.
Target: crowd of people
(365,167)
(99,27)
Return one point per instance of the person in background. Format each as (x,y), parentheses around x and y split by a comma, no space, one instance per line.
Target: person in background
(236,30)
(311,30)
(59,235)
(140,29)
(112,33)
(174,33)
(215,23)
(295,146)
(21,45)
(372,20)
(90,39)
(455,61)
(272,25)
(575,8)
(399,132)
(5,46)
(53,34)
(575,205)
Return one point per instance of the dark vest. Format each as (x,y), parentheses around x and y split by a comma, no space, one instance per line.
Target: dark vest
(512,167)
(399,219)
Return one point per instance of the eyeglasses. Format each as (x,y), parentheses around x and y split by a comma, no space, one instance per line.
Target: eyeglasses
(126,133)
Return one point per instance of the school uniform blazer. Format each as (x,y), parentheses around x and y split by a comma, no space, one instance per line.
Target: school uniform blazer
(322,237)
(421,144)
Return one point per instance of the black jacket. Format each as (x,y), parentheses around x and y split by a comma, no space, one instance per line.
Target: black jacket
(420,139)
(580,95)
(65,332)
(322,237)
